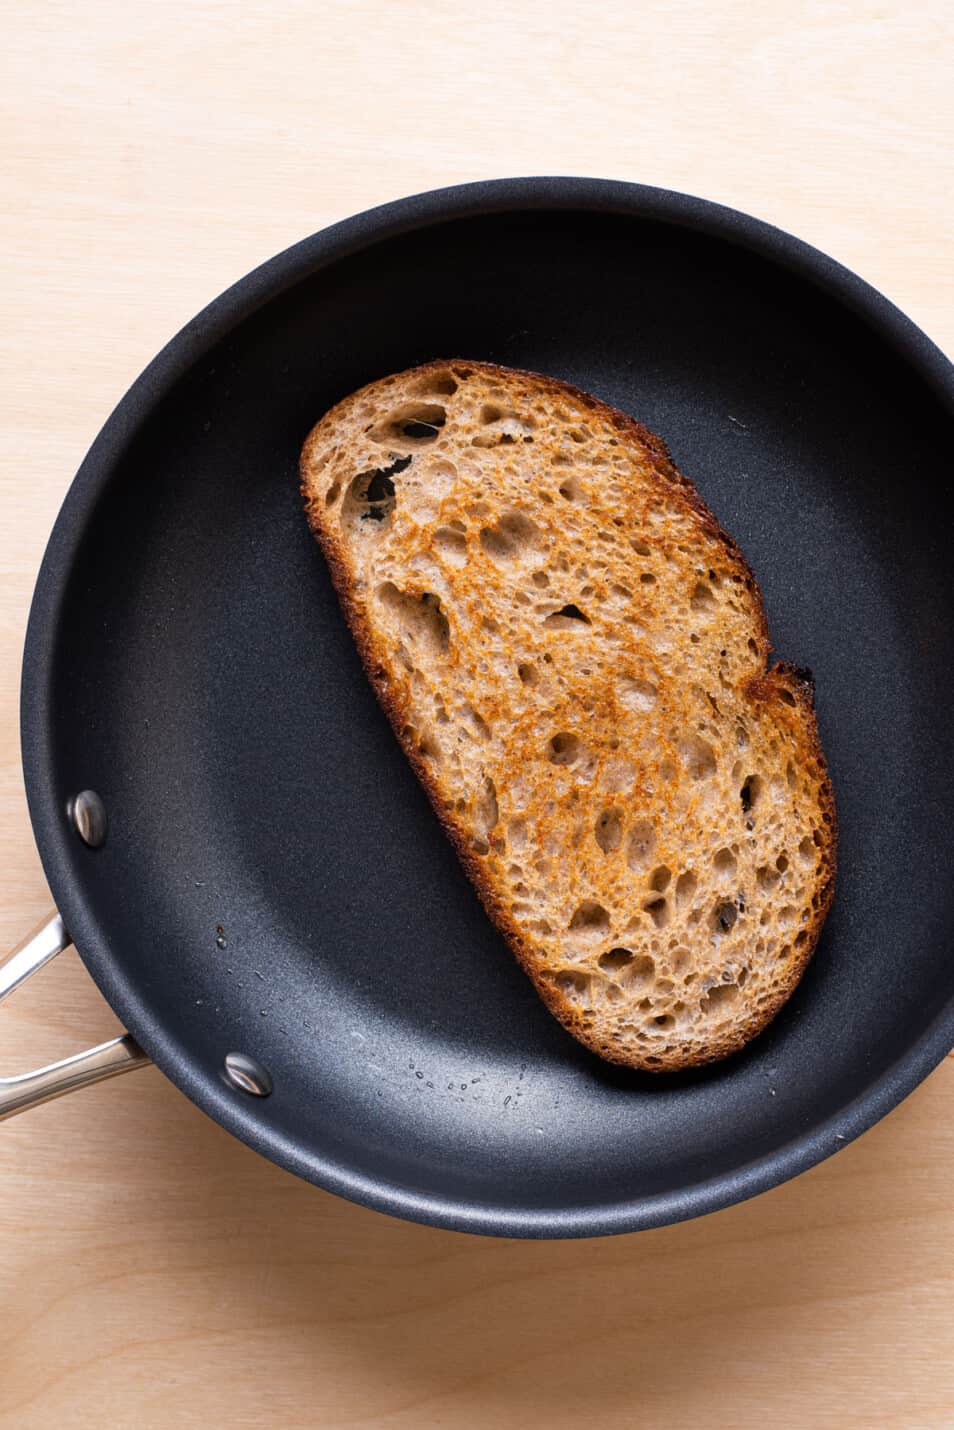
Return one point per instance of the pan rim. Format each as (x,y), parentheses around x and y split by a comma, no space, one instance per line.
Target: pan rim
(235,305)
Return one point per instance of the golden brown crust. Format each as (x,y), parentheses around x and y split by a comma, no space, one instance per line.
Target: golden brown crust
(780,685)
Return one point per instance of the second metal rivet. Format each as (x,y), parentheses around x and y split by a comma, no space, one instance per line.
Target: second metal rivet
(247,1075)
(88,815)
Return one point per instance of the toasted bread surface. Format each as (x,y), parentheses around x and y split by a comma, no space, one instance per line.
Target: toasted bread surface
(574,657)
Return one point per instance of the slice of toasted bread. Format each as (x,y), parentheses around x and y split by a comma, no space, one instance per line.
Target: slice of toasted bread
(573,655)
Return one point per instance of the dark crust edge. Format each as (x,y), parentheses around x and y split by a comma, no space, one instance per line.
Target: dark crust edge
(759,687)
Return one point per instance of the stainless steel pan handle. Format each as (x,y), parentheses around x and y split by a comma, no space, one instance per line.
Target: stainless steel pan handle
(122,1054)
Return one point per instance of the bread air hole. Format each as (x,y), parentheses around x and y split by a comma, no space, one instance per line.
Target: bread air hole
(659,879)
(724,916)
(437,384)
(590,919)
(658,911)
(476,721)
(640,844)
(722,996)
(564,749)
(420,618)
(370,497)
(609,830)
(574,986)
(379,486)
(724,863)
(702,599)
(514,536)
(486,812)
(417,423)
(527,673)
(637,974)
(698,757)
(751,792)
(451,545)
(503,427)
(572,490)
(686,886)
(615,959)
(567,618)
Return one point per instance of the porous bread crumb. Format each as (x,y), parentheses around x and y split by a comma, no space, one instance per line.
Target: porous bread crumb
(574,656)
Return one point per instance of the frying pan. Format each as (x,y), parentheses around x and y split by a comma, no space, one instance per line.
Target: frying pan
(233,839)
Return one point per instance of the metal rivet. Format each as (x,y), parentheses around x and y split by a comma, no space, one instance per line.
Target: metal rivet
(247,1075)
(88,814)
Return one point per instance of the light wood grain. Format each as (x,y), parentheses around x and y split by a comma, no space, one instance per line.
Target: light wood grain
(152,1271)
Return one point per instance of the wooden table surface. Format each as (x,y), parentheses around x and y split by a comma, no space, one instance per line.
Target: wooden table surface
(153,1272)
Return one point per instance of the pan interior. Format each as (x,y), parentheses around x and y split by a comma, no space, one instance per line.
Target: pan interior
(274,881)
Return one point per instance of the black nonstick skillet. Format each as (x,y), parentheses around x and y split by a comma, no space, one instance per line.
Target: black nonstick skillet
(233,838)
